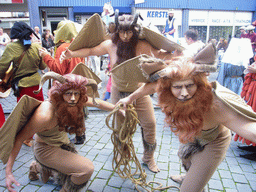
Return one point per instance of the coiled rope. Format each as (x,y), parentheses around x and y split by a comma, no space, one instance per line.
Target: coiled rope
(124,153)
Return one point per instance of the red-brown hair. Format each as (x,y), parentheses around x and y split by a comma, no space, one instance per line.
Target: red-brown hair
(185,118)
(70,119)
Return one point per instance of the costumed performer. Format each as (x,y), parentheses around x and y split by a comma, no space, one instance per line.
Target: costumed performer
(50,123)
(124,45)
(64,34)
(201,114)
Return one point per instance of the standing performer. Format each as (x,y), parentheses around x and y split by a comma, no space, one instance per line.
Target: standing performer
(201,114)
(124,45)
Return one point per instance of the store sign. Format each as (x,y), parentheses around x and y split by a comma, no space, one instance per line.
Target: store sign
(10,1)
(159,16)
(198,18)
(243,19)
(219,18)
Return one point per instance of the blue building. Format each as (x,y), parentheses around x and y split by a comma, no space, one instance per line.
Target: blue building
(212,18)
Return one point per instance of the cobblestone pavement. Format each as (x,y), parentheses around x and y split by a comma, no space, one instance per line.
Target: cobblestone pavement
(235,174)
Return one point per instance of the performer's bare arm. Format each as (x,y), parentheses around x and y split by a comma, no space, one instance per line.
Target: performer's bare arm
(101,49)
(104,105)
(41,120)
(146,89)
(144,47)
(234,121)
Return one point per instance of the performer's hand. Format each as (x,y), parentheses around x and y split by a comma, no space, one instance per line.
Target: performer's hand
(65,55)
(124,102)
(43,52)
(10,180)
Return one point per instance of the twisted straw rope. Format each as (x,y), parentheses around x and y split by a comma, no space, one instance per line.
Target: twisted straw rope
(124,153)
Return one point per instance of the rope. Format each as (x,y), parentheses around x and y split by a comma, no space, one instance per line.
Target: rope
(124,152)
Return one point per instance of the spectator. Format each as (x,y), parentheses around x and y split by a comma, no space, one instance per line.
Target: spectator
(170,29)
(26,56)
(233,64)
(193,44)
(48,31)
(243,32)
(222,44)
(252,36)
(34,38)
(248,94)
(4,40)
(47,43)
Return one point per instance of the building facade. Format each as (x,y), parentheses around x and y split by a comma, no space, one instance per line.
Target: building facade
(213,18)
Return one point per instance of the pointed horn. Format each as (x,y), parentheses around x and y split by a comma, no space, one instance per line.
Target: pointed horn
(93,84)
(135,19)
(116,17)
(50,75)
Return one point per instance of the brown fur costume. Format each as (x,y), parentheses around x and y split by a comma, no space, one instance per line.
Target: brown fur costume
(185,118)
(70,119)
(126,50)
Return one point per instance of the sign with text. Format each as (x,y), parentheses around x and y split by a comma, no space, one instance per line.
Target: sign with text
(198,18)
(159,16)
(243,19)
(219,18)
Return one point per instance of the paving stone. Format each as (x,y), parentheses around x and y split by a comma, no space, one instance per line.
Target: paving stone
(97,185)
(229,183)
(215,184)
(239,178)
(104,174)
(225,174)
(115,182)
(243,187)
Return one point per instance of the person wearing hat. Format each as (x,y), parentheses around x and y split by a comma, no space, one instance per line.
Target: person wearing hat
(123,46)
(169,29)
(50,122)
(201,114)
(252,36)
(243,32)
(26,77)
(25,56)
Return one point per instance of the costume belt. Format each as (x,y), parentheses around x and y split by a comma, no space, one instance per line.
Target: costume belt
(190,148)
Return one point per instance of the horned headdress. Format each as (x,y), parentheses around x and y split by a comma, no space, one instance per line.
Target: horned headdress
(61,79)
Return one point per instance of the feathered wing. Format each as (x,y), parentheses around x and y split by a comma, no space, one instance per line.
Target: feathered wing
(83,70)
(92,34)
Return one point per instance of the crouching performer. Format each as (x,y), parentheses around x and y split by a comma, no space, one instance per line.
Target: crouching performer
(201,114)
(50,122)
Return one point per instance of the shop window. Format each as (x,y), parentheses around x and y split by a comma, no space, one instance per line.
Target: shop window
(202,31)
(216,32)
